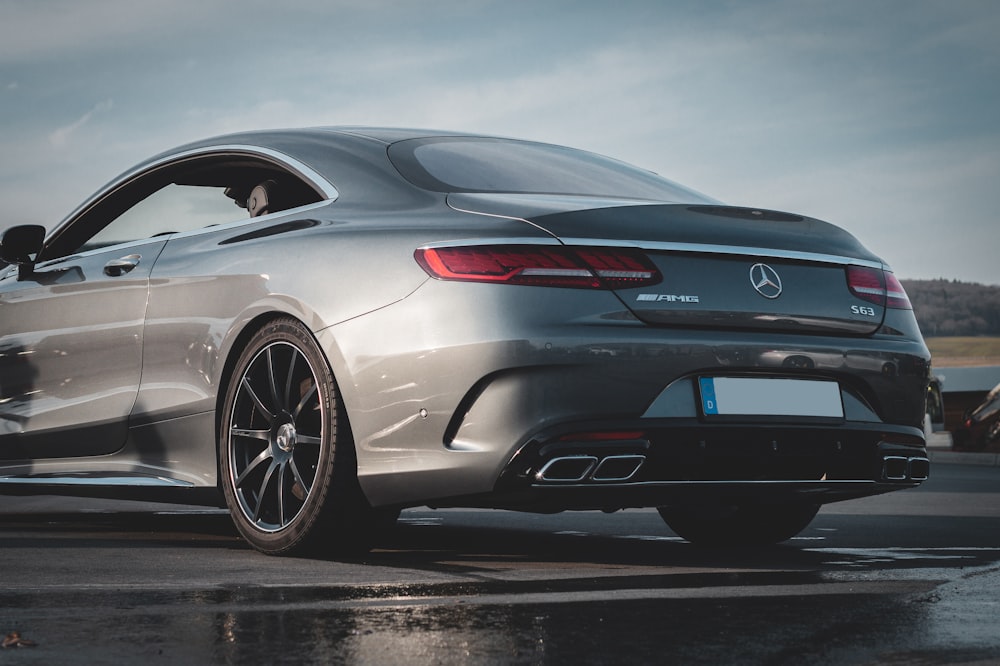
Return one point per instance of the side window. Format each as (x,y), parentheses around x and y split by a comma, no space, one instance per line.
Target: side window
(169,210)
(189,194)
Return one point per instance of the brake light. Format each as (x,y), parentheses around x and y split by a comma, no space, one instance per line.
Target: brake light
(877,286)
(867,284)
(540,265)
(895,295)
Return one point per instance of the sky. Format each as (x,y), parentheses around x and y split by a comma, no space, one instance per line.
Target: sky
(881,116)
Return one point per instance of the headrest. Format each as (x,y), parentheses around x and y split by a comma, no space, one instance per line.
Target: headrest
(261,199)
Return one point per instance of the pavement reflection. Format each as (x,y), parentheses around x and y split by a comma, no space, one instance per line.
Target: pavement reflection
(907,579)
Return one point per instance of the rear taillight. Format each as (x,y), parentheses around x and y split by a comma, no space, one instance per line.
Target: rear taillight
(540,265)
(877,286)
(895,295)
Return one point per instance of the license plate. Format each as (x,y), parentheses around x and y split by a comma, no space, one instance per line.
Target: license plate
(756,396)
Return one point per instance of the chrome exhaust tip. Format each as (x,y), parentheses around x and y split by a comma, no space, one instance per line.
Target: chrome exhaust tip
(894,468)
(919,468)
(903,468)
(618,468)
(567,469)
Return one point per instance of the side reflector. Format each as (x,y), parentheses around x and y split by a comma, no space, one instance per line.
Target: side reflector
(540,265)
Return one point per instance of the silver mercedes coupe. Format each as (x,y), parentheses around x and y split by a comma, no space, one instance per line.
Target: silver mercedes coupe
(317,328)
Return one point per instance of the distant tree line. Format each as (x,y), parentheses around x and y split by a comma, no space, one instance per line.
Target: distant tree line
(949,307)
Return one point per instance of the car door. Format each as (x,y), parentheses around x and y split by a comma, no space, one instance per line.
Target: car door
(71,351)
(72,325)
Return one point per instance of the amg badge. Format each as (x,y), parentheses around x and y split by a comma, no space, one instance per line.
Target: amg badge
(669,298)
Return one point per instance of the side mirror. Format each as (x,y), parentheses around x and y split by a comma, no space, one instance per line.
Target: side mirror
(20,245)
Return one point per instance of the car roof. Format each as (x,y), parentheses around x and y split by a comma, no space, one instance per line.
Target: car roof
(314,145)
(286,136)
(393,134)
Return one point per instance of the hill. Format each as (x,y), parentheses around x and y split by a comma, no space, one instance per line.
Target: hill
(949,308)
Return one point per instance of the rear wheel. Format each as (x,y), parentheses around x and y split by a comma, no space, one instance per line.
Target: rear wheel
(287,461)
(739,525)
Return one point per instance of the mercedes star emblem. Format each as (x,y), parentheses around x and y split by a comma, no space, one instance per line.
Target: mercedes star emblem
(765,280)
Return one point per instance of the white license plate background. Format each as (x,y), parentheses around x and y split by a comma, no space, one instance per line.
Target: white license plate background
(756,396)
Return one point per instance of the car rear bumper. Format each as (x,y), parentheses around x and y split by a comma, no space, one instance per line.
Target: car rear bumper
(662,462)
(472,395)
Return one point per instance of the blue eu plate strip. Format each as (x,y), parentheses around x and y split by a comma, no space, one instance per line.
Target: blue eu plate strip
(708,401)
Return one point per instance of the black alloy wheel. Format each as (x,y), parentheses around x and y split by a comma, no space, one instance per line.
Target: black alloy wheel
(287,460)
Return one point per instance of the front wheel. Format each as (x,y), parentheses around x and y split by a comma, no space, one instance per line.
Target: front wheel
(287,461)
(739,525)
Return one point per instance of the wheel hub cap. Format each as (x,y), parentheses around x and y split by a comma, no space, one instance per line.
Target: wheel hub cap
(285,439)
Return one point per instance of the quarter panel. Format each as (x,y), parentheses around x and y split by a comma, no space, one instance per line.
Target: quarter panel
(342,263)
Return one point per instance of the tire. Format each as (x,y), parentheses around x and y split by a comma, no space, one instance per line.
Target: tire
(286,456)
(741,525)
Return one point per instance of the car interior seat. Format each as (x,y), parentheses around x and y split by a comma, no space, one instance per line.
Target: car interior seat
(262,199)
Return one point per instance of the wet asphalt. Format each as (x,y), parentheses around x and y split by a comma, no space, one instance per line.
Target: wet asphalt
(911,577)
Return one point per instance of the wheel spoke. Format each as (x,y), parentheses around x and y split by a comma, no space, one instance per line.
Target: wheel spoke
(308,439)
(249,433)
(263,490)
(271,382)
(306,397)
(253,464)
(306,487)
(280,488)
(289,379)
(261,408)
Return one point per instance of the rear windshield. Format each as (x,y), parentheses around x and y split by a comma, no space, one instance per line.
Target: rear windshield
(464,164)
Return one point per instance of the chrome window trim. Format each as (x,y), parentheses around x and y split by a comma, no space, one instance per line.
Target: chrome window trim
(308,173)
(249,220)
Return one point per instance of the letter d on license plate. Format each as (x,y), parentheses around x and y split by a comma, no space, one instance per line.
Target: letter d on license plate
(757,396)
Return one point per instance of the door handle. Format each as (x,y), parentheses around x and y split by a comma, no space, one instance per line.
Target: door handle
(117,267)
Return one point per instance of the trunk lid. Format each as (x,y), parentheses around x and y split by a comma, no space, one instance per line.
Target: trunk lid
(722,266)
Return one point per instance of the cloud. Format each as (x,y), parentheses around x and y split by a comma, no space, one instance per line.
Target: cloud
(929,210)
(873,115)
(62,135)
